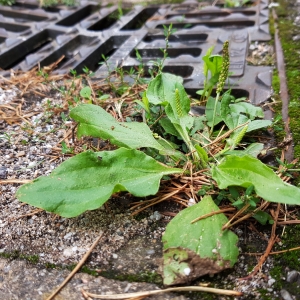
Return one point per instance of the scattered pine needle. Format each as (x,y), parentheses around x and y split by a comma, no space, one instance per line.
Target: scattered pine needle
(176,289)
(155,200)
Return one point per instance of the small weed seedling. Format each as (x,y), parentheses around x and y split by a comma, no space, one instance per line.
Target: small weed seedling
(6,137)
(65,149)
(86,93)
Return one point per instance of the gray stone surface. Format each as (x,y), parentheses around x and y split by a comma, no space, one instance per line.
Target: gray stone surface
(21,281)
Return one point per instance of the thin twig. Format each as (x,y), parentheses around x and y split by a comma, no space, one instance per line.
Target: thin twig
(213,213)
(228,224)
(79,265)
(274,252)
(245,217)
(8,181)
(176,289)
(288,222)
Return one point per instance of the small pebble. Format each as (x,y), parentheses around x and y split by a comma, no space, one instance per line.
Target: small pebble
(286,295)
(3,172)
(21,153)
(292,276)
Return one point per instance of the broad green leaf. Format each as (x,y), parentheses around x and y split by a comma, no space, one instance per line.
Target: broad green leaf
(87,180)
(258,124)
(203,155)
(249,109)
(194,250)
(199,124)
(144,103)
(95,121)
(233,117)
(253,150)
(237,114)
(213,63)
(202,93)
(247,170)
(210,110)
(168,126)
(170,150)
(207,54)
(167,90)
(162,88)
(202,138)
(230,118)
(225,111)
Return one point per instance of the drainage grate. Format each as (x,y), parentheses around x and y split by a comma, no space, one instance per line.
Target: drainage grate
(30,36)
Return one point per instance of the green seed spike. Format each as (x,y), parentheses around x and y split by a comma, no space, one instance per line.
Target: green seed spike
(239,137)
(225,68)
(178,104)
(222,79)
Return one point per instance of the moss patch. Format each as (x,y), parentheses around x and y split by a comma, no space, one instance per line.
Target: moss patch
(291,50)
(140,277)
(33,259)
(287,261)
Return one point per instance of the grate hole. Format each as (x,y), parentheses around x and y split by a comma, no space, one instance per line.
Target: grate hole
(208,15)
(13,27)
(23,4)
(225,24)
(22,16)
(107,21)
(172,52)
(69,50)
(183,71)
(108,48)
(15,55)
(184,8)
(140,19)
(237,93)
(35,5)
(187,38)
(79,15)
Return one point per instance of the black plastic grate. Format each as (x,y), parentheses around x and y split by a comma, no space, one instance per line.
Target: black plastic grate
(30,36)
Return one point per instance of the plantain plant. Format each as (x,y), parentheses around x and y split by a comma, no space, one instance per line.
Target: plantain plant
(168,139)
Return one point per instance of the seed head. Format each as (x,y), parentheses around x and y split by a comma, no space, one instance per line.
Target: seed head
(225,68)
